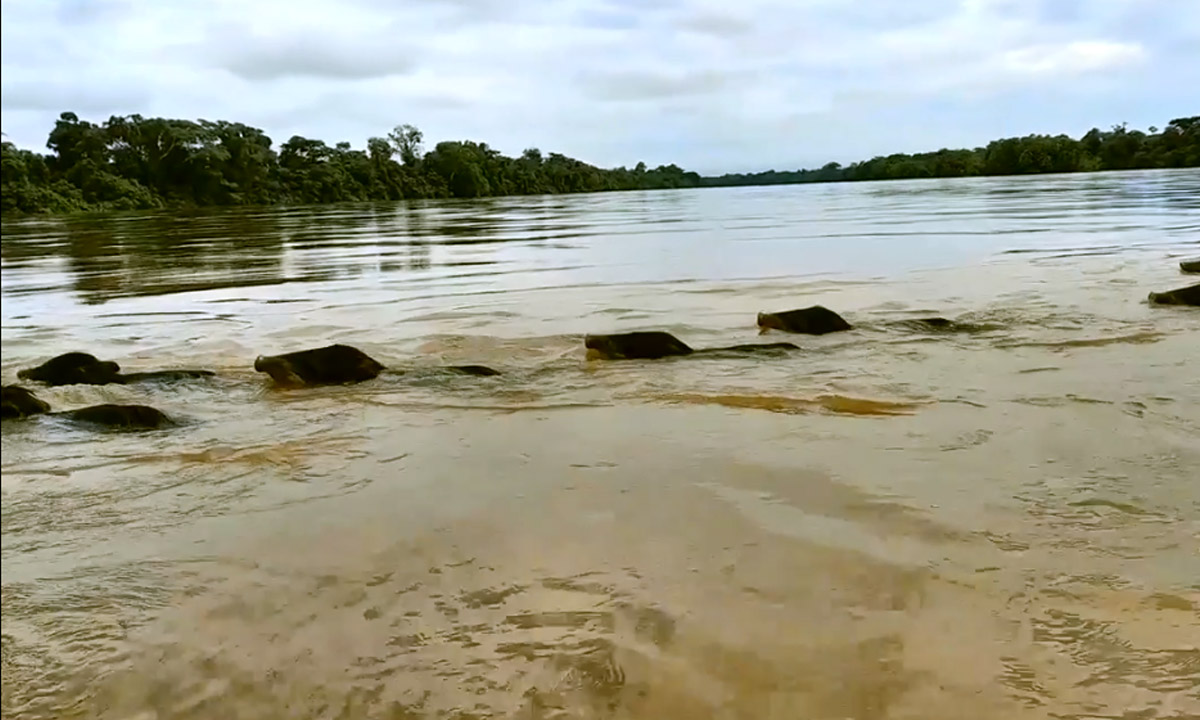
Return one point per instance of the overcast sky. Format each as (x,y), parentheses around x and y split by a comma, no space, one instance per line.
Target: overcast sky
(712,86)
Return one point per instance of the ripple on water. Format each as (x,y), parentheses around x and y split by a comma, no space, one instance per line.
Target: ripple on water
(697,537)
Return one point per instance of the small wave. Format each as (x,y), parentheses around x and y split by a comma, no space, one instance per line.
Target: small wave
(1061,401)
(617,311)
(487,407)
(1138,338)
(153,313)
(285,453)
(1083,253)
(835,404)
(968,440)
(1126,508)
(1090,248)
(934,325)
(467,263)
(460,315)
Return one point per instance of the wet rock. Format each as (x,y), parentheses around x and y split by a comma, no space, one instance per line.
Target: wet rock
(654,344)
(80,368)
(1190,266)
(815,320)
(131,417)
(643,345)
(940,323)
(74,368)
(331,365)
(18,402)
(1189,295)
(477,370)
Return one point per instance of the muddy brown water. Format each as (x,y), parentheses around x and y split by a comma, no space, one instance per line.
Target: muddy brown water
(891,523)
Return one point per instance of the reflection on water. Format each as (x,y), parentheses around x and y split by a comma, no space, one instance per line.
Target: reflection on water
(993,519)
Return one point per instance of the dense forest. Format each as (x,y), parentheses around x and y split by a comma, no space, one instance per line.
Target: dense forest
(134,162)
(1176,146)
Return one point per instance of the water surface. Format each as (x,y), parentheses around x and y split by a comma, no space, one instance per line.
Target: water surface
(893,522)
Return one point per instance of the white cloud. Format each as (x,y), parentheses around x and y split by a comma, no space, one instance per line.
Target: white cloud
(1072,58)
(708,85)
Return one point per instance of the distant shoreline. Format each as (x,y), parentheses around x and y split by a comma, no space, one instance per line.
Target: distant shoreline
(136,163)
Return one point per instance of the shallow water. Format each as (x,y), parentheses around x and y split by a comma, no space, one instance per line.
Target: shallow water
(892,522)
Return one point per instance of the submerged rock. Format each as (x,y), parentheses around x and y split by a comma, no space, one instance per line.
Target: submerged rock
(939,323)
(330,365)
(477,370)
(935,324)
(1189,295)
(128,417)
(18,402)
(942,325)
(654,344)
(337,365)
(815,320)
(74,368)
(80,368)
(643,345)
(1190,266)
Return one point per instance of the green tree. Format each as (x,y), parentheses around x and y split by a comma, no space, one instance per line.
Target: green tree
(407,139)
(132,162)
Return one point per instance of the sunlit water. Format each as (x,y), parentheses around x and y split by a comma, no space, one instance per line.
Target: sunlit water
(890,523)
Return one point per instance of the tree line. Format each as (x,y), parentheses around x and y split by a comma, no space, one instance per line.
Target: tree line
(131,162)
(1176,146)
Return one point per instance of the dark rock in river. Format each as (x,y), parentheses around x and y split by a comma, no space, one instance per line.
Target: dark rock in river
(74,368)
(80,368)
(478,370)
(645,345)
(1189,295)
(815,320)
(337,365)
(17,402)
(654,344)
(120,416)
(1190,266)
(330,365)
(939,323)
(942,325)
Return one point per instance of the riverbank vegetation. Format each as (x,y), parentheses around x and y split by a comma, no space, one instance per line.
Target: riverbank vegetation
(133,162)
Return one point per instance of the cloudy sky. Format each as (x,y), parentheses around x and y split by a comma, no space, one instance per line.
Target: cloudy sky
(712,86)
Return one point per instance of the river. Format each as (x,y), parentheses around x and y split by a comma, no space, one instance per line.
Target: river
(893,522)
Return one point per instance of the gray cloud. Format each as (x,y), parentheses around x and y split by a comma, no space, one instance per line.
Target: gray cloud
(649,85)
(702,83)
(257,58)
(718,24)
